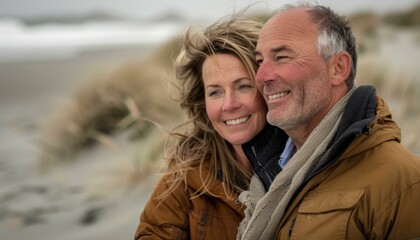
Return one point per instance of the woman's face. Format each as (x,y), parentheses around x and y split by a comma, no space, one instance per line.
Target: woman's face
(234,105)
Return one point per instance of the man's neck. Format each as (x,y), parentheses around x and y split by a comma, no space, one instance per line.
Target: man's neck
(299,135)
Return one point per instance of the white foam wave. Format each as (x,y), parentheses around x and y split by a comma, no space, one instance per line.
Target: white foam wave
(20,42)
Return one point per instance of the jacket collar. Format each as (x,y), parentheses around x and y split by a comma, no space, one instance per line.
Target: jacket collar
(358,114)
(264,151)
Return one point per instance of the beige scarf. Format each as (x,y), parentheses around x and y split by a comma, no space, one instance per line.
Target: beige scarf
(265,210)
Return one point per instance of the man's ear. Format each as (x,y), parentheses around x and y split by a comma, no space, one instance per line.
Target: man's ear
(340,67)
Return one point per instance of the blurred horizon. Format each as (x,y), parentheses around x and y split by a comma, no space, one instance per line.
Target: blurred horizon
(63,29)
(209,10)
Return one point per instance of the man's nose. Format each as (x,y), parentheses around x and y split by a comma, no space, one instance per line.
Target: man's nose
(264,74)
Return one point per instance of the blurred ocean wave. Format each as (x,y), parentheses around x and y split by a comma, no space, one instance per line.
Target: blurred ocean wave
(20,42)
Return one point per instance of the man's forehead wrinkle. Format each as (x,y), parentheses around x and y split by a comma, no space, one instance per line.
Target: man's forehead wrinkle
(288,33)
(270,35)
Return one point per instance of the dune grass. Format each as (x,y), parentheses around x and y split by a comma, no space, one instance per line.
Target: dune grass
(135,98)
(401,92)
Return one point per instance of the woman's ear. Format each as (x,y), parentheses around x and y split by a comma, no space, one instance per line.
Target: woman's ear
(340,67)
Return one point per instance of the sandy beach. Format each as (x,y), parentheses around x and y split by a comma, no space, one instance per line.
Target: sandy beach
(83,199)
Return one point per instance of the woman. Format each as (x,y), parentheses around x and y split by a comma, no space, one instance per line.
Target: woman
(207,168)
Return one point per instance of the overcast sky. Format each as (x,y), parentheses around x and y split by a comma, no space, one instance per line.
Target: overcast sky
(205,9)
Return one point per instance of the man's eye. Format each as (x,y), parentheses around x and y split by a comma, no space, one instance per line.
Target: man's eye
(259,61)
(281,57)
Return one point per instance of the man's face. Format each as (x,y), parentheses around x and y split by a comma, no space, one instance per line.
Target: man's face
(292,76)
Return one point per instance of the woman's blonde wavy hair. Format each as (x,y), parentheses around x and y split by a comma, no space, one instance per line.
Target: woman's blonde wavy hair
(200,146)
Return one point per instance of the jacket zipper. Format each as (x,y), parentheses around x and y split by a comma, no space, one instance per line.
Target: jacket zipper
(255,155)
(292,225)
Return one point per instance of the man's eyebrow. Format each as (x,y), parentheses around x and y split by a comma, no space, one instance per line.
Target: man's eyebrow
(279,49)
(273,50)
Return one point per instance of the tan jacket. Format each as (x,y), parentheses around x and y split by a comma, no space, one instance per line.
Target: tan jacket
(180,216)
(371,192)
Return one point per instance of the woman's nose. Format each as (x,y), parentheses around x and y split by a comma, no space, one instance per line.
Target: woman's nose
(231,103)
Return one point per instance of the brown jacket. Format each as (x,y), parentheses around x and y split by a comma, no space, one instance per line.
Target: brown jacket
(371,192)
(182,216)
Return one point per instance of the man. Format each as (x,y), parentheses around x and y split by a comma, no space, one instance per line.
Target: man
(344,173)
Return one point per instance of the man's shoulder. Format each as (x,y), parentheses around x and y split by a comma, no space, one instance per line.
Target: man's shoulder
(398,156)
(390,162)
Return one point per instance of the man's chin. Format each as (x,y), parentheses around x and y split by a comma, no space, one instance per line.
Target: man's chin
(284,124)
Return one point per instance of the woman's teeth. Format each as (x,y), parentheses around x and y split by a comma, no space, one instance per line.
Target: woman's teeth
(237,121)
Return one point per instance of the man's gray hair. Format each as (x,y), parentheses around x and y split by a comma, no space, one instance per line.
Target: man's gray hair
(334,34)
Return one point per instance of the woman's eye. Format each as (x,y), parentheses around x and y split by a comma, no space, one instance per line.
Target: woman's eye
(213,93)
(245,86)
